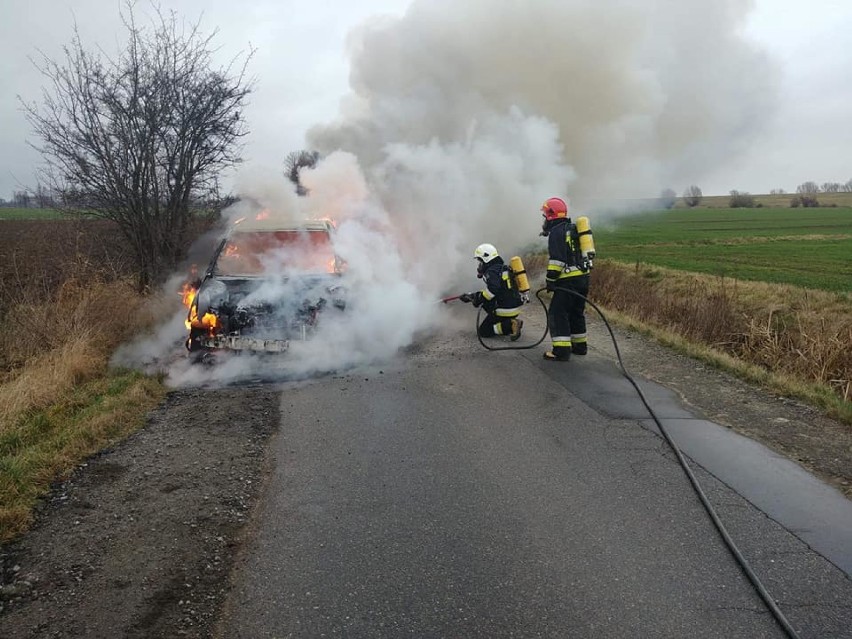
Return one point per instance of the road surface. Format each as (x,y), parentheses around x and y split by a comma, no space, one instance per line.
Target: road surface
(461,493)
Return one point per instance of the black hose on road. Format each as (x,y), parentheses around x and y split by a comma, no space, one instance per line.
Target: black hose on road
(514,348)
(726,537)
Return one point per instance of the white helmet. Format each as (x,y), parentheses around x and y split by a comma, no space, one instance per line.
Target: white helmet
(485,252)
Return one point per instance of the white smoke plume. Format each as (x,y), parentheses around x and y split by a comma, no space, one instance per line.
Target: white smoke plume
(639,96)
(387,302)
(465,115)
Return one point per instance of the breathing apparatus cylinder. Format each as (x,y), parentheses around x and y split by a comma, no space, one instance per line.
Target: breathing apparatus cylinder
(520,275)
(587,243)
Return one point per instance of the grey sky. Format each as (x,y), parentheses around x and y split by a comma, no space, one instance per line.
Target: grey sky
(302,73)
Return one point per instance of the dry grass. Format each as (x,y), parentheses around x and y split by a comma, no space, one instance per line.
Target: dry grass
(724,201)
(802,337)
(67,300)
(59,403)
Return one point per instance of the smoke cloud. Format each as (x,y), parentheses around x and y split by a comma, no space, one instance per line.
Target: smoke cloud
(463,117)
(576,97)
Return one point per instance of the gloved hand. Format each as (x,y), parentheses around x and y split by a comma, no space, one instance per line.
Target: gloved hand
(551,286)
(466,297)
(477,299)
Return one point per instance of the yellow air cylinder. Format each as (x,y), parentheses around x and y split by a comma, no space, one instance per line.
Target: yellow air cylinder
(587,243)
(520,273)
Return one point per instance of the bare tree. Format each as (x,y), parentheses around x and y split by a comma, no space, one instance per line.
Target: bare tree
(138,138)
(668,198)
(43,197)
(808,188)
(21,199)
(847,187)
(777,192)
(831,187)
(692,196)
(295,162)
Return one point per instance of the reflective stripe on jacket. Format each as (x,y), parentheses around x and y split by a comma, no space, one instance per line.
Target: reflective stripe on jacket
(499,295)
(563,248)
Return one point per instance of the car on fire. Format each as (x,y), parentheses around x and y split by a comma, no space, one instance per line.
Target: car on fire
(269,282)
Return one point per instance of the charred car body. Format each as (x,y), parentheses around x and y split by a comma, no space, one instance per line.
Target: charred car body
(267,284)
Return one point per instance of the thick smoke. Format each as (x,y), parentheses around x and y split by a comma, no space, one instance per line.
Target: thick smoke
(491,104)
(387,301)
(465,115)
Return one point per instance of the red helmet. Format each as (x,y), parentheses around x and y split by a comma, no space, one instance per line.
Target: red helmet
(554,208)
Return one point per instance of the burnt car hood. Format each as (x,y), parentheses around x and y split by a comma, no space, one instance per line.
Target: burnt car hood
(273,308)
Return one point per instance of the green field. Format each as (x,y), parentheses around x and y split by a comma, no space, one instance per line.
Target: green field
(811,248)
(29,214)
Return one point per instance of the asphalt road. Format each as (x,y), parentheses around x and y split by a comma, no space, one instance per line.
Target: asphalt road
(460,493)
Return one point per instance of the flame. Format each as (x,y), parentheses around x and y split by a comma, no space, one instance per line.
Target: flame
(187,294)
(208,321)
(188,291)
(263,215)
(190,287)
(231,250)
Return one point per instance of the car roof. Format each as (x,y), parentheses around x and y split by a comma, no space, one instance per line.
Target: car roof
(251,225)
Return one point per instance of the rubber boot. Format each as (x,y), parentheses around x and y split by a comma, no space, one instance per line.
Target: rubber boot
(557,357)
(517,325)
(580,348)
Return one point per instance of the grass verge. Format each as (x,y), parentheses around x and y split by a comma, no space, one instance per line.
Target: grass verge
(793,340)
(816,394)
(46,444)
(59,401)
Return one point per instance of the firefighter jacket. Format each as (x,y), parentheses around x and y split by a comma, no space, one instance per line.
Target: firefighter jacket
(500,296)
(563,245)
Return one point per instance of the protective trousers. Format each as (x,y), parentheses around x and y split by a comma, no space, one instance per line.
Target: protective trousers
(498,324)
(567,314)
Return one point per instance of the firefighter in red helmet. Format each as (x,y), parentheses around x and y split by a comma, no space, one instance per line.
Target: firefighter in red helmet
(567,270)
(500,298)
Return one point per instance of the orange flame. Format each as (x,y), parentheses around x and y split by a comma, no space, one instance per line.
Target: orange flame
(189,288)
(263,215)
(208,321)
(187,294)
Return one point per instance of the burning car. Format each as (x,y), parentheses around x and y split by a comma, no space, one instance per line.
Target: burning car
(268,283)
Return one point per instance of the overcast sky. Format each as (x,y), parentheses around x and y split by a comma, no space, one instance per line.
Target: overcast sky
(302,72)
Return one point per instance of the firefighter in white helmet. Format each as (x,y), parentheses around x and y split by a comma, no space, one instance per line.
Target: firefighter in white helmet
(500,298)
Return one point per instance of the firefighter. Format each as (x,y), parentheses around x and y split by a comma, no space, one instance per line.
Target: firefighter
(500,298)
(567,268)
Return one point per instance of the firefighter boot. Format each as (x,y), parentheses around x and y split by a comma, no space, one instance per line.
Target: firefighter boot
(517,325)
(580,348)
(558,354)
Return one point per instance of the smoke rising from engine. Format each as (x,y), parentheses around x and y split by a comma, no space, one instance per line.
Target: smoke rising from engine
(463,118)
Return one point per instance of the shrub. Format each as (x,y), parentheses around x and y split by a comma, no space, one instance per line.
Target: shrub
(692,196)
(808,201)
(741,200)
(668,198)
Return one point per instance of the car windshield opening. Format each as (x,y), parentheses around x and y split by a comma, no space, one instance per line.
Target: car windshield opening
(276,253)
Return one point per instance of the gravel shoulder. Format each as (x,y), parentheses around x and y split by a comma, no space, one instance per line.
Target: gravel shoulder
(141,540)
(787,426)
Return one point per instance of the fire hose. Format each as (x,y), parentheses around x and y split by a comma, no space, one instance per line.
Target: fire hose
(720,527)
